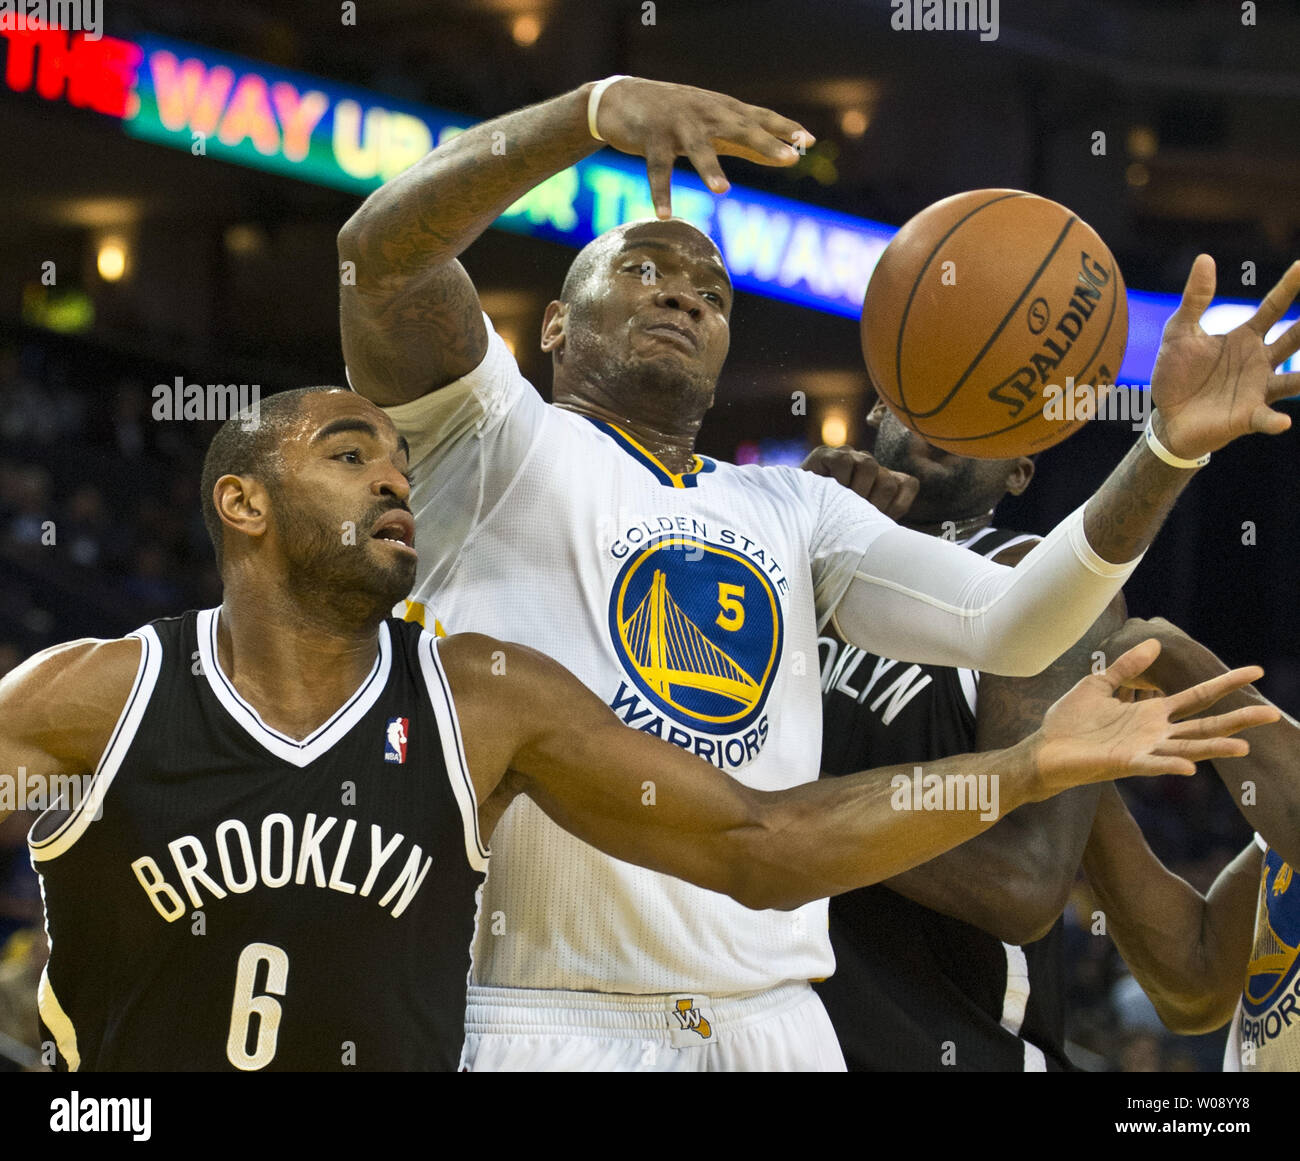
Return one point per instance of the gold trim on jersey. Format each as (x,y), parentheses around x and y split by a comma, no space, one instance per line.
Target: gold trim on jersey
(56,1020)
(637,450)
(416,612)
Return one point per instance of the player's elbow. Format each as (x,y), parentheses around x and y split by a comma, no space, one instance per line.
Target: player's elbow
(1023,658)
(357,240)
(349,238)
(1023,919)
(1195,1014)
(1037,900)
(766,890)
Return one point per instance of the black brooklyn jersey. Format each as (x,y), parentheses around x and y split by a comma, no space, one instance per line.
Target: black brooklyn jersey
(229,898)
(913,989)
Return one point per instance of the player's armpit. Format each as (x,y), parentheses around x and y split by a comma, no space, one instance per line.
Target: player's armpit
(58,711)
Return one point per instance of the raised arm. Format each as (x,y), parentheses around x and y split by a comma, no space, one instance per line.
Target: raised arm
(648,802)
(1188,951)
(411,319)
(57,712)
(912,599)
(1013,880)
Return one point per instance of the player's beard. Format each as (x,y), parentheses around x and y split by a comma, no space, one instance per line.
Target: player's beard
(952,491)
(334,566)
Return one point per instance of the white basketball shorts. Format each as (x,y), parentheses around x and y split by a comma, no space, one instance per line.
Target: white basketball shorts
(781,1029)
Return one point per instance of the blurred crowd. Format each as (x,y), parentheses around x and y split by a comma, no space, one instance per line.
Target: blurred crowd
(100,532)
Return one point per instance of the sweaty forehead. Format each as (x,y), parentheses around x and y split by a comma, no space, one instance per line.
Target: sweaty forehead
(328,413)
(672,235)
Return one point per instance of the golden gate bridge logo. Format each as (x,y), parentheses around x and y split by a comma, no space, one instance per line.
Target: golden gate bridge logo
(1273,957)
(699,627)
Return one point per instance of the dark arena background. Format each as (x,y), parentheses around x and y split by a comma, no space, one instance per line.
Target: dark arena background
(170,212)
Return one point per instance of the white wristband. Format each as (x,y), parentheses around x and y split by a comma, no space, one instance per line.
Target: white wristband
(1161,452)
(593,102)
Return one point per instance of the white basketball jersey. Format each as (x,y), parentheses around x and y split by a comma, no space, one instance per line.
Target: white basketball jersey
(689,603)
(1264,1035)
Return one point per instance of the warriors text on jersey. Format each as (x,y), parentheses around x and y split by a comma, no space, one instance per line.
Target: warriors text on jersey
(913,989)
(227,897)
(689,603)
(1264,1035)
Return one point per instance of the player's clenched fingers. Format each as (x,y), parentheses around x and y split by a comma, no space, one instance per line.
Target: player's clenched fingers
(1206,693)
(891,494)
(866,477)
(908,486)
(884,491)
(831,462)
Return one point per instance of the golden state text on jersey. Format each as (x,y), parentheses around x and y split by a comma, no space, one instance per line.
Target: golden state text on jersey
(1270,1001)
(696,621)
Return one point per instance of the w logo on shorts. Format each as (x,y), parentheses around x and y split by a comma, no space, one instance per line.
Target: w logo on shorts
(691,1018)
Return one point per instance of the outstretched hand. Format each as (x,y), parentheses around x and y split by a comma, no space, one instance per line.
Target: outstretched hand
(1093,734)
(1209,389)
(661,122)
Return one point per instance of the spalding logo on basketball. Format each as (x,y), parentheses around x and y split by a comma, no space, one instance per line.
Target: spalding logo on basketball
(981,303)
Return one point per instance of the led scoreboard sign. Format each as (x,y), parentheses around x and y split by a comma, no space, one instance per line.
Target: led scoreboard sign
(217,105)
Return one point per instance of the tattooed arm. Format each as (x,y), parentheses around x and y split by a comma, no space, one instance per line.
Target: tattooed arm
(411,319)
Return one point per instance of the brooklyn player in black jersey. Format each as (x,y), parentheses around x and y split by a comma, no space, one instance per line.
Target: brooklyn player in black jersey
(274,814)
(956,964)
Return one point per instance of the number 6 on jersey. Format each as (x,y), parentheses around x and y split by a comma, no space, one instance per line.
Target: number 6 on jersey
(246,1004)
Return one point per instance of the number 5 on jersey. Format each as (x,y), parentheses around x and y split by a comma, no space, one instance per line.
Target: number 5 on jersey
(730,601)
(266,1009)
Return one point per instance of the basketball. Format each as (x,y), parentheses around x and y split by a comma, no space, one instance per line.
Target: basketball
(994,322)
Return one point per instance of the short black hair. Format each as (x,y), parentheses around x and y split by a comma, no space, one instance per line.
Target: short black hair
(246,445)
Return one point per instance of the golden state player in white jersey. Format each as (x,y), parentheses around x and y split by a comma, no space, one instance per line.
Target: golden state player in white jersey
(686,593)
(1234,953)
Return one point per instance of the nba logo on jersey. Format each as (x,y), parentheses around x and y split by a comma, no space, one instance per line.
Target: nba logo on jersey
(395,740)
